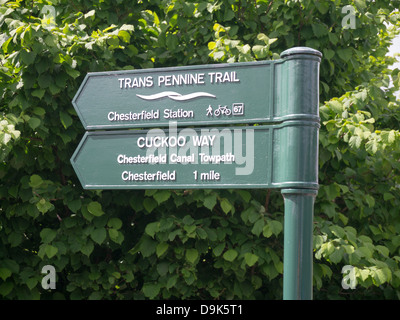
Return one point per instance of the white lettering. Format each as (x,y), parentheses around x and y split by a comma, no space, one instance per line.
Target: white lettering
(219,77)
(148,176)
(181,79)
(49,281)
(174,158)
(184,311)
(179,114)
(137,82)
(226,158)
(133,116)
(161,142)
(199,141)
(151,159)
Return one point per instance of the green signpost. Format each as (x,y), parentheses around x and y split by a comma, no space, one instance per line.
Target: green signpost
(271,108)
(197,158)
(255,92)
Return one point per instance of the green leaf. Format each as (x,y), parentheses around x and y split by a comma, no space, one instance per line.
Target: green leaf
(50,251)
(391,136)
(149,204)
(229,14)
(98,235)
(396,240)
(382,250)
(66,119)
(190,229)
(48,235)
(4,273)
(210,201)
(15,239)
(370,200)
(226,205)
(273,227)
(115,223)
(45,80)
(363,273)
(230,255)
(132,50)
(337,231)
(128,27)
(188,220)
(336,106)
(364,252)
(246,196)
(201,233)
(152,228)
(35,181)
(74,205)
(171,281)
(31,283)
(344,54)
(95,209)
(90,14)
(148,246)
(258,227)
(34,123)
(162,268)
(43,205)
(388,196)
(39,111)
(211,45)
(360,4)
(322,6)
(191,255)
(6,288)
(124,35)
(161,248)
(250,259)
(355,142)
(116,235)
(72,72)
(336,255)
(260,51)
(218,249)
(379,276)
(39,93)
(319,30)
(172,41)
(332,191)
(162,196)
(87,248)
(96,296)
(151,290)
(372,146)
(28,57)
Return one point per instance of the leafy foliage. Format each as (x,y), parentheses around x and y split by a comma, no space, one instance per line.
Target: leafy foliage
(189,244)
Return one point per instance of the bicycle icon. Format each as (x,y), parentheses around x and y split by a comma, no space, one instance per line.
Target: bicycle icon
(222,110)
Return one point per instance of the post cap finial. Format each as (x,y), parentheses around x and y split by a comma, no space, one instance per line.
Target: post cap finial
(302,51)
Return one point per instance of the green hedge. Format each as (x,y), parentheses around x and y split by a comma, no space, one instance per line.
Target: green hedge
(189,244)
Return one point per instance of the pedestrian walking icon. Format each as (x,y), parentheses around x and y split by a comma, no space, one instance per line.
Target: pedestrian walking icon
(209,111)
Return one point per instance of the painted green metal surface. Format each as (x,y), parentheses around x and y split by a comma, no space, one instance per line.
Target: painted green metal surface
(251,92)
(234,157)
(298,243)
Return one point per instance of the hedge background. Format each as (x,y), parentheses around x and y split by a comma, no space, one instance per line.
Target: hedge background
(203,244)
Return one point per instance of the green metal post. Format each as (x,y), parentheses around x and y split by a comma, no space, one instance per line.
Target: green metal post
(300,160)
(298,243)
